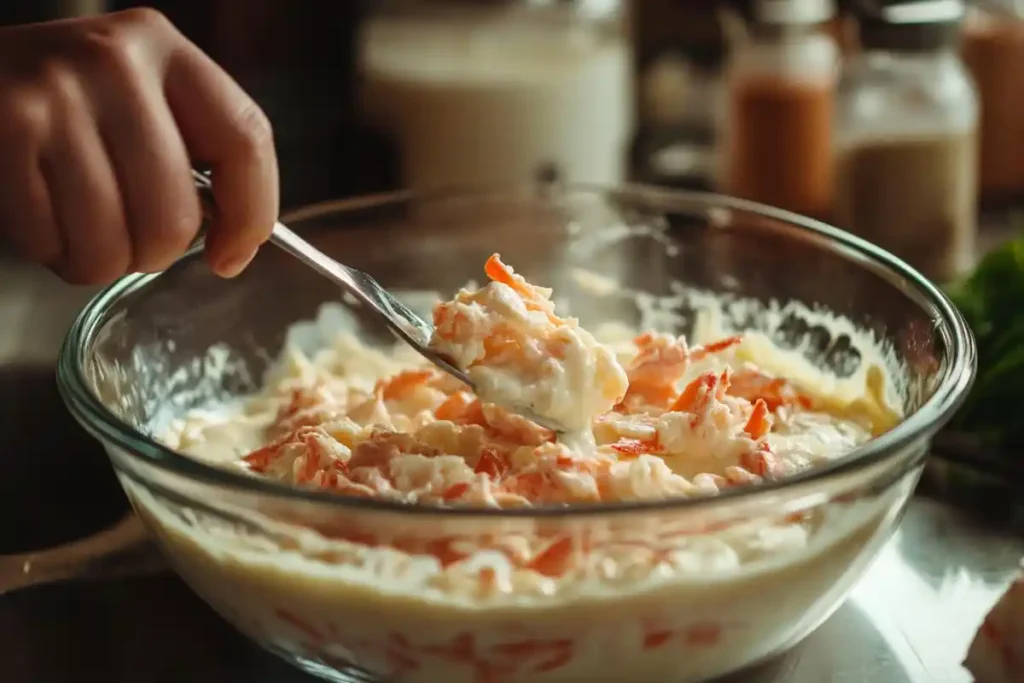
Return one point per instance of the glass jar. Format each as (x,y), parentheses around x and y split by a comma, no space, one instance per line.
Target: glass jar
(679,50)
(993,49)
(906,148)
(500,91)
(776,135)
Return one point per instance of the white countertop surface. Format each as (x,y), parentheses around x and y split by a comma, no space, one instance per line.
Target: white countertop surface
(915,612)
(36,309)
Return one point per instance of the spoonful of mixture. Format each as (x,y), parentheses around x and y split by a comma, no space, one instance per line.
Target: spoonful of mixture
(518,352)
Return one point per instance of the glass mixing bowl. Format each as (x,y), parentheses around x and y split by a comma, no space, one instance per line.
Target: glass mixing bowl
(351,589)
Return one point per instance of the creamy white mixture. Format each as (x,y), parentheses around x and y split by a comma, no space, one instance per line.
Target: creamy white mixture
(518,600)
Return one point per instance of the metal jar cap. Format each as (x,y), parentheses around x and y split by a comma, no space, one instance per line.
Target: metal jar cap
(793,12)
(786,12)
(909,25)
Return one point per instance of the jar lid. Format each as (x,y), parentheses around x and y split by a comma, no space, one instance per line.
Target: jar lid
(792,12)
(909,25)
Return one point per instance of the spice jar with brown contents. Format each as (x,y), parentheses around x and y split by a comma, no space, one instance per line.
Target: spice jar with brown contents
(906,137)
(993,48)
(777,119)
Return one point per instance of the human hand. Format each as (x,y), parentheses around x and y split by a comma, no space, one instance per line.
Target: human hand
(101,120)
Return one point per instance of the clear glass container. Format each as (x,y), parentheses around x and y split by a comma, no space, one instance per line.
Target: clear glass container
(500,91)
(993,49)
(680,48)
(306,573)
(777,109)
(906,148)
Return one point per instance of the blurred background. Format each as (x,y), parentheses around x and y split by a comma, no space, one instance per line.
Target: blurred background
(899,120)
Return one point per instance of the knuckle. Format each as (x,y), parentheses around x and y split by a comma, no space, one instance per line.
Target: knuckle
(168,239)
(98,270)
(121,41)
(177,235)
(46,250)
(255,132)
(55,75)
(111,52)
(40,244)
(25,118)
(143,19)
(61,84)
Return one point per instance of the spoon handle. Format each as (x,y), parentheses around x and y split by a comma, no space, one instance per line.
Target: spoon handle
(284,238)
(364,288)
(357,283)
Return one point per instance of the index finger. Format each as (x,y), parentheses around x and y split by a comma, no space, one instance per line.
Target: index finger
(225,129)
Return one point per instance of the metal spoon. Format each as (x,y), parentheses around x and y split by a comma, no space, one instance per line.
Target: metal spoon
(403,323)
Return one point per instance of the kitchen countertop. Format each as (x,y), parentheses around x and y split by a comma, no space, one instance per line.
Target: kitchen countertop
(921,602)
(36,309)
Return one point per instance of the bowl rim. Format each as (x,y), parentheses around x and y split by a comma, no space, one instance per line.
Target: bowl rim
(952,389)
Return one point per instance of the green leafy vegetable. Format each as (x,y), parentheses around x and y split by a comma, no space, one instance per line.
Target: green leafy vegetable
(992,301)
